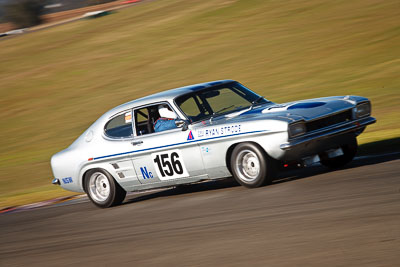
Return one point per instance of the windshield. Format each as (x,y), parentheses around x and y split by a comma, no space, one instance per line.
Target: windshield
(217,100)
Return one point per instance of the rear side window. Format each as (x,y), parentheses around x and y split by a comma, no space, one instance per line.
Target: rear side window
(120,126)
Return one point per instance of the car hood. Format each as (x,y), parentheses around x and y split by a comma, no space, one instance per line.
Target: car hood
(306,110)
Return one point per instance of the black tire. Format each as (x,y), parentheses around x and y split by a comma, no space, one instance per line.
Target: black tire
(349,151)
(102,189)
(251,166)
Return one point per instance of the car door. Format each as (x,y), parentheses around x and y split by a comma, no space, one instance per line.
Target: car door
(118,132)
(167,157)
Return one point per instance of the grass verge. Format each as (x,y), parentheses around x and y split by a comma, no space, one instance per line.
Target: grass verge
(56,82)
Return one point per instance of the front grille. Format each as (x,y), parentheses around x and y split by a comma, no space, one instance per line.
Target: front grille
(328,121)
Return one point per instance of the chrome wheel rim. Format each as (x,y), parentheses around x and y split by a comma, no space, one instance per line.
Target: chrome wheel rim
(247,165)
(99,187)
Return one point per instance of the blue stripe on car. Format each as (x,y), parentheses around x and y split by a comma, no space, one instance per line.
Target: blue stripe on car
(176,144)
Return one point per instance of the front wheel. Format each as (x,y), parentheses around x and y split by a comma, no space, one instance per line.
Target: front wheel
(102,189)
(349,151)
(251,166)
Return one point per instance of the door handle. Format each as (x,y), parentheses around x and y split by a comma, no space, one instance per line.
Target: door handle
(135,143)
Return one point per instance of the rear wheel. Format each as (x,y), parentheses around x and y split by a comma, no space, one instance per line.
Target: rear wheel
(349,151)
(251,166)
(102,189)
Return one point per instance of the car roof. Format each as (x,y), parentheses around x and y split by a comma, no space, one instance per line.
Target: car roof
(167,95)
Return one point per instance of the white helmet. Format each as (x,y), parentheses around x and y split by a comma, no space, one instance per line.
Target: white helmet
(166,113)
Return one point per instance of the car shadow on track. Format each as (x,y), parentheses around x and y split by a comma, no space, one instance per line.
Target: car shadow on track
(291,175)
(285,176)
(185,189)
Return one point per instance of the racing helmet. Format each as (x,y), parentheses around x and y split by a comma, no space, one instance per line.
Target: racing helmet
(165,112)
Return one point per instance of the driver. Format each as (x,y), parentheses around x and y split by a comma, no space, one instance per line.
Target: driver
(166,120)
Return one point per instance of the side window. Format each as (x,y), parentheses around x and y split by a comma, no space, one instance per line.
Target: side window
(142,115)
(146,118)
(119,126)
(143,121)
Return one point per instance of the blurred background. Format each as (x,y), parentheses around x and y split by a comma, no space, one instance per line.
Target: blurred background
(56,81)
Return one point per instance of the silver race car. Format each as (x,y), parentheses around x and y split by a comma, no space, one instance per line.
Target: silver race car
(207,131)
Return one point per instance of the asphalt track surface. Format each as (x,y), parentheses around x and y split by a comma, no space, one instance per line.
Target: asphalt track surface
(309,217)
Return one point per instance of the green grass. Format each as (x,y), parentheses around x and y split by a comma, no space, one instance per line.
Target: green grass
(56,82)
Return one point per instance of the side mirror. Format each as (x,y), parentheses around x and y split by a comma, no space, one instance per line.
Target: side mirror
(181,124)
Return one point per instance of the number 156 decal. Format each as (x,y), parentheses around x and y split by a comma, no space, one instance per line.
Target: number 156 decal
(169,165)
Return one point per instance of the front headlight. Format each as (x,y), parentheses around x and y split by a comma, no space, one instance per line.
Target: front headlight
(296,129)
(362,110)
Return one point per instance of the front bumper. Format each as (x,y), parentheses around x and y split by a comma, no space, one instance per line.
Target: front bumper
(336,130)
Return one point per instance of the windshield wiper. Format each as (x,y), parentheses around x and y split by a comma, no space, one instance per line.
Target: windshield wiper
(223,109)
(256,102)
(219,111)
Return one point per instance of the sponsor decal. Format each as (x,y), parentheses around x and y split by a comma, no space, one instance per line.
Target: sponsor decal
(146,174)
(190,136)
(220,131)
(67,180)
(205,149)
(128,117)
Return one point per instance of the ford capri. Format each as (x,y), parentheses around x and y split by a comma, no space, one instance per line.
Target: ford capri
(207,131)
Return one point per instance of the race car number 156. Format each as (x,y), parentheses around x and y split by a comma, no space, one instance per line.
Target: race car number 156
(169,165)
